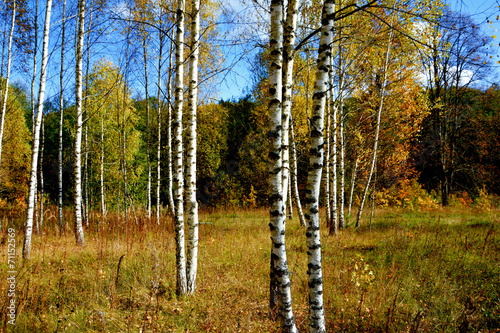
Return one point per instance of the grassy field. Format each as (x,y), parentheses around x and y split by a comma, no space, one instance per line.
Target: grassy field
(435,271)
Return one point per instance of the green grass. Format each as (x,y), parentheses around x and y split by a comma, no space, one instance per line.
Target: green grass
(413,272)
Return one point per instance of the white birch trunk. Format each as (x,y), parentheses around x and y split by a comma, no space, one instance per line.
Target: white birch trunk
(377,130)
(148,130)
(6,89)
(181,288)
(279,273)
(33,79)
(36,136)
(295,181)
(170,162)
(78,227)
(101,176)
(86,166)
(316,160)
(333,161)
(42,141)
(61,122)
(341,167)
(288,61)
(192,220)
(328,164)
(158,114)
(353,183)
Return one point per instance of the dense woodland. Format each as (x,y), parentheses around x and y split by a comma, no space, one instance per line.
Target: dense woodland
(112,108)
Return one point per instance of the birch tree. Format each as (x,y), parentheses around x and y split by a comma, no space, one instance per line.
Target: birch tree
(316,160)
(61,122)
(192,244)
(181,288)
(36,136)
(377,129)
(280,293)
(78,227)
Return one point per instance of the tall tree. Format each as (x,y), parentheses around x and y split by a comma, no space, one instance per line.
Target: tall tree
(36,135)
(181,288)
(192,221)
(61,121)
(316,160)
(78,226)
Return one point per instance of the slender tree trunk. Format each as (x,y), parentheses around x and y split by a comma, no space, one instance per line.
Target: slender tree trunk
(288,61)
(101,176)
(86,165)
(170,159)
(280,293)
(192,220)
(42,142)
(78,229)
(342,166)
(148,129)
(373,196)
(290,206)
(353,182)
(328,164)
(6,89)
(316,160)
(333,161)
(158,114)
(295,181)
(377,130)
(181,288)
(61,121)
(33,79)
(36,135)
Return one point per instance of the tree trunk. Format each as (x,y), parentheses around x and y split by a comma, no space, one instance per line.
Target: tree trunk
(353,182)
(33,79)
(6,89)
(288,60)
(61,123)
(377,130)
(280,293)
(170,161)
(192,221)
(78,228)
(181,288)
(36,135)
(328,164)
(333,161)
(148,129)
(158,114)
(342,166)
(294,175)
(42,141)
(101,176)
(316,160)
(86,165)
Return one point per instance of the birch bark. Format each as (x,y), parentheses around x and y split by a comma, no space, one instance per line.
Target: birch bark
(158,115)
(279,273)
(61,121)
(36,136)
(192,221)
(316,160)
(294,175)
(181,288)
(78,228)
(288,60)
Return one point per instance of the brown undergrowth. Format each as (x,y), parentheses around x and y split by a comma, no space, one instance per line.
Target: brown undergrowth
(413,272)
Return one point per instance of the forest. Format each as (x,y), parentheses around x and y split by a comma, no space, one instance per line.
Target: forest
(156,157)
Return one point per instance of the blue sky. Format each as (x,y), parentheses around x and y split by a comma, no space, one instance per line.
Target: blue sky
(481,11)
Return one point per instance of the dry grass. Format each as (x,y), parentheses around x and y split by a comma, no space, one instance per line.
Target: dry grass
(430,271)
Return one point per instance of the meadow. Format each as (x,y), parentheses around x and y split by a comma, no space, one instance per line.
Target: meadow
(427,271)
